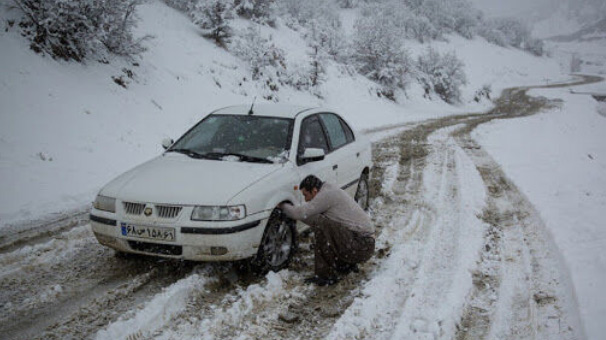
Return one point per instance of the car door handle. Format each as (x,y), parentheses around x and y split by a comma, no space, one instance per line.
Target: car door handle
(334,167)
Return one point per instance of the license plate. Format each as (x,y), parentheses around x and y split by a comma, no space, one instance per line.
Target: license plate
(154,233)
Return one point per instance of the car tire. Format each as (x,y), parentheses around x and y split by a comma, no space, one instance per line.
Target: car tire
(278,244)
(363,192)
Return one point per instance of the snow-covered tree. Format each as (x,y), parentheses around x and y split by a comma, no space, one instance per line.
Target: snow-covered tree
(74,29)
(378,51)
(182,5)
(442,74)
(213,17)
(492,33)
(467,18)
(535,46)
(116,27)
(261,11)
(262,55)
(327,36)
(514,32)
(445,16)
(318,21)
(302,12)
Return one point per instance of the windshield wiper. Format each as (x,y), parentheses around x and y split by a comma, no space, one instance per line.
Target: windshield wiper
(189,152)
(242,157)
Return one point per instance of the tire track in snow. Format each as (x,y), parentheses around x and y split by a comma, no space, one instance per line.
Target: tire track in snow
(524,294)
(413,220)
(438,290)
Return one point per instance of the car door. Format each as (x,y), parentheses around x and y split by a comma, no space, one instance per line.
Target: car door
(343,151)
(312,135)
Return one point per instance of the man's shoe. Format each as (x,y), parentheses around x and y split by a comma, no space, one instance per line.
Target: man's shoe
(321,281)
(348,268)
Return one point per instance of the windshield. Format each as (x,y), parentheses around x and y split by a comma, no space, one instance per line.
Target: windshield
(236,137)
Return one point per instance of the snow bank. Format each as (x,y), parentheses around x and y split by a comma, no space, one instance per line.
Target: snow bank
(157,313)
(558,160)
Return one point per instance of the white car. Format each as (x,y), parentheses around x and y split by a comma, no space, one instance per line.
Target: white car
(212,195)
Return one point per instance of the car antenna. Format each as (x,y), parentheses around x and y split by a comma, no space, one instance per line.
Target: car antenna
(250,112)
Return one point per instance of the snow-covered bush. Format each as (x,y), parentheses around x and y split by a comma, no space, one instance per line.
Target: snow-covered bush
(484,92)
(442,74)
(261,11)
(512,31)
(420,28)
(535,46)
(492,34)
(467,18)
(213,17)
(265,60)
(378,51)
(183,5)
(74,29)
(327,36)
(318,21)
(303,11)
(437,17)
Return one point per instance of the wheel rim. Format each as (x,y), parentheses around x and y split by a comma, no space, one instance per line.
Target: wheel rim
(278,244)
(362,194)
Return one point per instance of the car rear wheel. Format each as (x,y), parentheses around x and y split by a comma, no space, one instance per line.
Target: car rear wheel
(363,193)
(278,245)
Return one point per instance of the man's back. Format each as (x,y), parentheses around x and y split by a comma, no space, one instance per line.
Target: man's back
(334,204)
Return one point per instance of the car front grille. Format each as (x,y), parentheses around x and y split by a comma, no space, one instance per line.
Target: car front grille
(162,211)
(166,211)
(133,208)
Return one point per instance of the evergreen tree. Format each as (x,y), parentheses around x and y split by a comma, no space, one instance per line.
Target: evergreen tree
(213,17)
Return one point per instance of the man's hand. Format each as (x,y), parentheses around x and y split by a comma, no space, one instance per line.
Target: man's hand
(281,204)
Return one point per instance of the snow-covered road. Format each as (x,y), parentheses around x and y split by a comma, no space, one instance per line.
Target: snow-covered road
(461,253)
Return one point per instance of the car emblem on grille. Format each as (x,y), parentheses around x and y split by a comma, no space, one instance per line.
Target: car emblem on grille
(147,211)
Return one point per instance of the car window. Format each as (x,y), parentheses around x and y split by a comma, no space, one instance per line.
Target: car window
(348,133)
(312,135)
(334,129)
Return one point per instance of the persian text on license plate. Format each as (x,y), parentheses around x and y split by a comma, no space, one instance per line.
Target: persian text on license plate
(155,233)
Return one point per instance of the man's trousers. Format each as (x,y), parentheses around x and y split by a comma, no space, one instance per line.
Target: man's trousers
(337,246)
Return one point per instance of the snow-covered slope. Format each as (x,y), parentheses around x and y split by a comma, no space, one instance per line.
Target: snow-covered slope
(68,128)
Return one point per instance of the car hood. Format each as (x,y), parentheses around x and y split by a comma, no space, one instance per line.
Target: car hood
(177,179)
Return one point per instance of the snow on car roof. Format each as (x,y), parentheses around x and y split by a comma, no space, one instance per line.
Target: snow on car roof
(272,110)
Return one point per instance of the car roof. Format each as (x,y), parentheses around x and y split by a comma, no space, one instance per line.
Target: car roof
(271,110)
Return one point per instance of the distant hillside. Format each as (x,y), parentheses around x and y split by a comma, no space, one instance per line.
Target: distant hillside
(596,31)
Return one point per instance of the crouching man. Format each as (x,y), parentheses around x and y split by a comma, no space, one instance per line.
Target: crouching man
(344,234)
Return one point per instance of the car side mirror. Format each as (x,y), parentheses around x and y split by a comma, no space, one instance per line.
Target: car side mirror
(312,155)
(167,142)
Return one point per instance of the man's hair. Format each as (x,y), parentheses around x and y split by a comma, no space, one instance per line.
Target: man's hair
(310,182)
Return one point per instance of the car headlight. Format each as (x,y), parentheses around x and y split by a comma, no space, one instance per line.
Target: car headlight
(105,203)
(218,213)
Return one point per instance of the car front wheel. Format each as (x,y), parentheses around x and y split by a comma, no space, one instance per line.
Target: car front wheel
(363,193)
(278,244)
